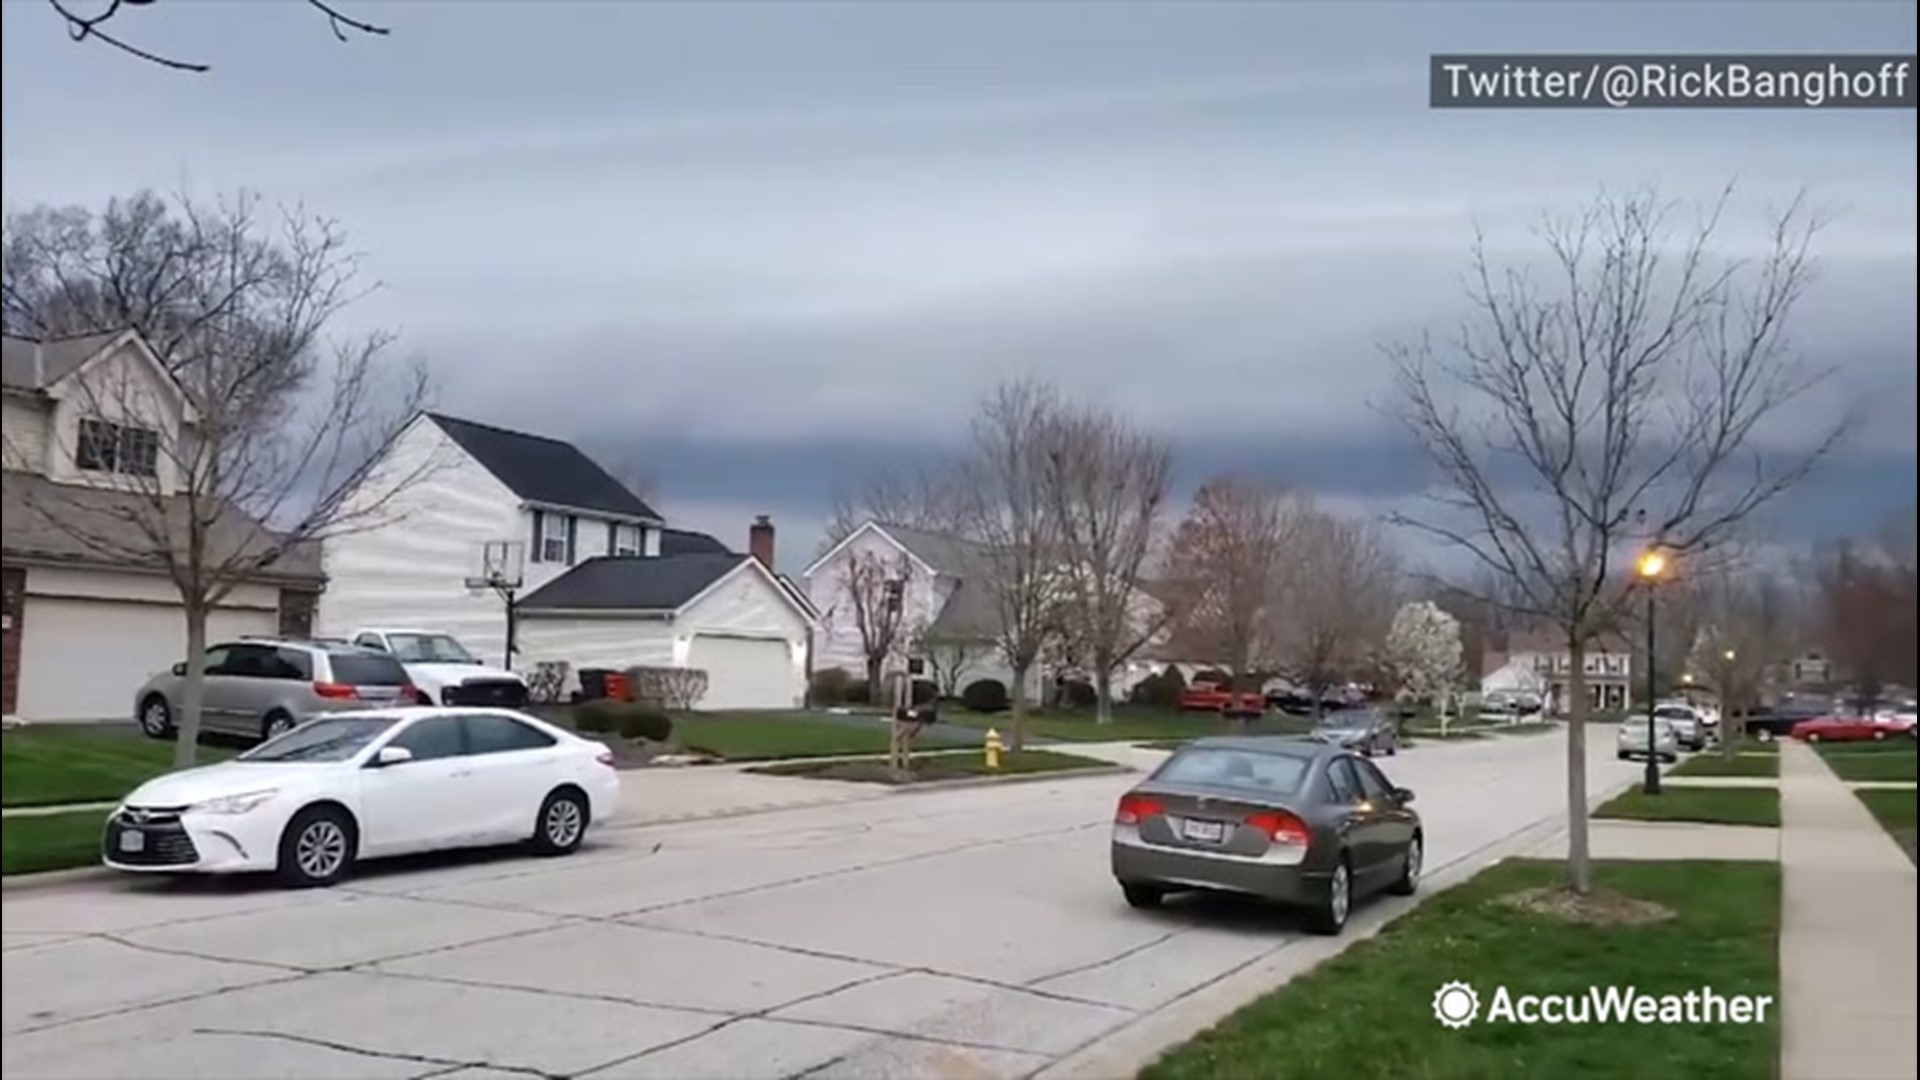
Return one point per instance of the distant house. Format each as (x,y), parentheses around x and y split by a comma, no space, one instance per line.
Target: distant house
(599,579)
(91,428)
(1609,669)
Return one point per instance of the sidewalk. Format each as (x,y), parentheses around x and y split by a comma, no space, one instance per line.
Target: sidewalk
(1847,936)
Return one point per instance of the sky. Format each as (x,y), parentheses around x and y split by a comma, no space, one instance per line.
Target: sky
(760,251)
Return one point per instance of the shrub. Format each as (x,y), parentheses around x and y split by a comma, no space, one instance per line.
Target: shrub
(859,693)
(831,687)
(547,680)
(674,688)
(1159,691)
(645,721)
(599,717)
(985,696)
(1079,694)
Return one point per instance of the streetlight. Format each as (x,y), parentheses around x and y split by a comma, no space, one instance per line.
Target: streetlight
(1651,567)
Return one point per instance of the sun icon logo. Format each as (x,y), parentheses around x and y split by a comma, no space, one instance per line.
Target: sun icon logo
(1455,1005)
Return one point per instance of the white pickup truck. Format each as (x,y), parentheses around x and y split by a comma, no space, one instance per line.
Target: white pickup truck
(442,669)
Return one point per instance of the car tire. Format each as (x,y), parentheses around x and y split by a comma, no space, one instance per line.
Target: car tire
(1329,918)
(275,724)
(1813,736)
(1764,735)
(562,823)
(318,848)
(1142,896)
(156,718)
(1626,756)
(1879,736)
(1410,869)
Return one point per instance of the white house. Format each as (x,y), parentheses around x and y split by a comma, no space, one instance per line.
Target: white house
(1541,664)
(598,579)
(91,428)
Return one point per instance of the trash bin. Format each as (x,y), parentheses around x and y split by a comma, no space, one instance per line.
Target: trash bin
(593,683)
(618,687)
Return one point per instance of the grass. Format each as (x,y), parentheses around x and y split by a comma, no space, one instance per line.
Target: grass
(1895,810)
(1710,806)
(1367,1013)
(1712,763)
(29,845)
(780,736)
(1452,734)
(932,767)
(1871,762)
(52,764)
(1133,724)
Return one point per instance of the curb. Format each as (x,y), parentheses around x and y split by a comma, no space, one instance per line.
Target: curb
(997,781)
(49,879)
(740,811)
(1128,1050)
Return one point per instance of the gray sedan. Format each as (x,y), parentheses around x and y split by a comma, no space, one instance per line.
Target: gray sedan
(1302,823)
(1363,731)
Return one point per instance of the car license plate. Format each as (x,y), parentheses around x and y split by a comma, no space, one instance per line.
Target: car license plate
(1211,832)
(132,840)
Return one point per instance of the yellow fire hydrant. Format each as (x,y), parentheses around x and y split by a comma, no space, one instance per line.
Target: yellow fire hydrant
(994,748)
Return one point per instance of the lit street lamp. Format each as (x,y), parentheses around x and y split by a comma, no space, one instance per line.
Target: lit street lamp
(1651,567)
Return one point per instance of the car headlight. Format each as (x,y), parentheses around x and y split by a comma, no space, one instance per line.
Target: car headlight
(234,804)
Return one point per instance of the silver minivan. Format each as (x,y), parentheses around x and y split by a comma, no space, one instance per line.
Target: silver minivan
(257,688)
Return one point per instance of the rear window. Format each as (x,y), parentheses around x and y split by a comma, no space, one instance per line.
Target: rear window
(356,669)
(1240,770)
(1671,712)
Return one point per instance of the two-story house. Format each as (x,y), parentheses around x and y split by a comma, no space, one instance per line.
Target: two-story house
(1536,664)
(92,429)
(596,577)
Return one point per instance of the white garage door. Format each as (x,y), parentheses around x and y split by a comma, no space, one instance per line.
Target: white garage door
(85,659)
(745,673)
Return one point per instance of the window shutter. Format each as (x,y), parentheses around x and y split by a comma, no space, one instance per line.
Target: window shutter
(539,525)
(573,537)
(613,538)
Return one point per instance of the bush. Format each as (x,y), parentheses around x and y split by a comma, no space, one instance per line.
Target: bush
(859,693)
(985,696)
(831,687)
(596,717)
(626,719)
(674,688)
(1159,691)
(1079,694)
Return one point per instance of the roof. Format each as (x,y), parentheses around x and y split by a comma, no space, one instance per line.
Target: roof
(543,470)
(30,364)
(632,583)
(688,542)
(969,615)
(69,523)
(943,552)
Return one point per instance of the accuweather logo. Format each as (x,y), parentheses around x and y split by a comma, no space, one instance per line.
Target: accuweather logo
(1457,1005)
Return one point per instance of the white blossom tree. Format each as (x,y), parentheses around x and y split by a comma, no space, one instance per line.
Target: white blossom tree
(1424,653)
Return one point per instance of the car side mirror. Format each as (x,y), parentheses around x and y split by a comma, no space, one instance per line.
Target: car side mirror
(180,669)
(1403,795)
(392,755)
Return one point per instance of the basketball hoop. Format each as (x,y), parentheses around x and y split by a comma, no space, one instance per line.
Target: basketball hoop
(500,567)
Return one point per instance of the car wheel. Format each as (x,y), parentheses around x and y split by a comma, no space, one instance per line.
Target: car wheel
(562,823)
(1409,882)
(1331,916)
(1879,736)
(1763,735)
(1144,897)
(1813,736)
(318,848)
(156,717)
(274,725)
(1625,756)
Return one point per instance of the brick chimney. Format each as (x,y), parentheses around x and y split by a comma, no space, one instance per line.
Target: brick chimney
(760,540)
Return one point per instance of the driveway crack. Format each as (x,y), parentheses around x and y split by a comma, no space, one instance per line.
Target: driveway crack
(445,1064)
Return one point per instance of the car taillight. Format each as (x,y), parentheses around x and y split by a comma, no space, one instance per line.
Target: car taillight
(1136,808)
(1281,828)
(605,757)
(334,690)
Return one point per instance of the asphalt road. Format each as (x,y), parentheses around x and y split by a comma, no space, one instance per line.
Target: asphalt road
(963,934)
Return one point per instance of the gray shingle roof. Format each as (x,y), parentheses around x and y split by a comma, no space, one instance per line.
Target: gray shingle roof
(27,364)
(631,583)
(544,470)
(688,542)
(970,614)
(945,553)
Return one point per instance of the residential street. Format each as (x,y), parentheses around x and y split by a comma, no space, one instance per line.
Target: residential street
(967,933)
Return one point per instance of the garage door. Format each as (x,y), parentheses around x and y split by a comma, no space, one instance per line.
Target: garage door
(745,673)
(84,659)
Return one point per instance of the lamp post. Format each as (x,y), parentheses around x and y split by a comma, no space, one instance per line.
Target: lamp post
(1652,565)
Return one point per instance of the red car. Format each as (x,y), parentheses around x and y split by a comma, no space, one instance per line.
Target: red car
(1206,697)
(1847,729)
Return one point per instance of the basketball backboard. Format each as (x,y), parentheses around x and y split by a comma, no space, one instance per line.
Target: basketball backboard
(501,564)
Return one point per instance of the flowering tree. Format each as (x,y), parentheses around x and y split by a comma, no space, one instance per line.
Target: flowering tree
(1423,650)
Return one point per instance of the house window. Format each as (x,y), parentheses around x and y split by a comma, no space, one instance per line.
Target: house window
(553,538)
(626,539)
(117,448)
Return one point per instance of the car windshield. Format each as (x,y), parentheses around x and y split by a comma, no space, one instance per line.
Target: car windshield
(1673,712)
(428,649)
(1242,770)
(327,740)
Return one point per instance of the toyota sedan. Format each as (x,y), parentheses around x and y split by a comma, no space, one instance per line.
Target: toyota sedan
(310,803)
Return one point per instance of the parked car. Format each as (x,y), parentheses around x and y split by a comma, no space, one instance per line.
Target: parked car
(1779,722)
(258,688)
(1689,726)
(1364,731)
(1208,697)
(1300,823)
(444,672)
(1633,740)
(1847,729)
(310,803)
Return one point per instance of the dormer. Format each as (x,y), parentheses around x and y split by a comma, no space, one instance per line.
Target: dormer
(100,410)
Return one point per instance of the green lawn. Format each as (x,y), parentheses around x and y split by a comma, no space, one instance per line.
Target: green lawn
(1711,806)
(50,764)
(1712,763)
(1895,812)
(1132,725)
(1452,734)
(1367,1013)
(1865,762)
(929,767)
(29,845)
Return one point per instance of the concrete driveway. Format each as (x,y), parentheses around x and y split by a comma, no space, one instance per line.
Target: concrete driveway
(966,934)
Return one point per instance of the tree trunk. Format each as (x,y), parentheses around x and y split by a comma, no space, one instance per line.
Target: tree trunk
(1726,711)
(1579,857)
(1017,702)
(193,691)
(876,691)
(1102,688)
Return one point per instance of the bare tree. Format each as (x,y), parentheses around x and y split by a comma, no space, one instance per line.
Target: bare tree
(1747,617)
(91,25)
(264,452)
(925,499)
(874,587)
(1340,601)
(1866,613)
(1003,506)
(1608,407)
(1229,562)
(949,659)
(1106,482)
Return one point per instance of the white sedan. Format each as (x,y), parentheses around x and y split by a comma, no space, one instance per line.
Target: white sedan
(362,785)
